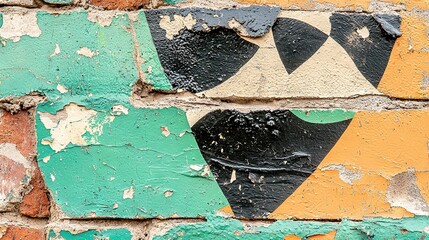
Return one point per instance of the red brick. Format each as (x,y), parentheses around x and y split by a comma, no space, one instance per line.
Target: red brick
(36,203)
(22,233)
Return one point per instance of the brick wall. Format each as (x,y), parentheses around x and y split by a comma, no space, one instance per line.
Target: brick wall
(203,119)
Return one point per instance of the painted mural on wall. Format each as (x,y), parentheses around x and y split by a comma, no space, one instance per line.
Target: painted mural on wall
(263,164)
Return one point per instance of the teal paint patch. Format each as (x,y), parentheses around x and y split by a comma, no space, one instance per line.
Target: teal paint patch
(324,116)
(111,234)
(379,228)
(174,1)
(1,20)
(151,66)
(124,166)
(93,65)
(59,1)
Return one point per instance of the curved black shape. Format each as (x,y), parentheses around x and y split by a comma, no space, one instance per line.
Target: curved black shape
(296,41)
(370,54)
(272,153)
(197,60)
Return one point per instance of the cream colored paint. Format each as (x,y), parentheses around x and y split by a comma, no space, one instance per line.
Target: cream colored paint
(62,89)
(234,24)
(319,20)
(67,126)
(104,18)
(85,51)
(18,24)
(173,26)
(128,193)
(57,51)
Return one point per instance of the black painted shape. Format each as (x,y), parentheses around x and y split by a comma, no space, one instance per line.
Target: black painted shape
(271,152)
(296,41)
(370,54)
(197,61)
(390,23)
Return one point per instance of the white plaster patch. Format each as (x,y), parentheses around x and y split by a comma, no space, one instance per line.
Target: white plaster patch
(86,52)
(128,193)
(165,131)
(104,18)
(62,89)
(46,159)
(348,176)
(404,192)
(52,177)
(119,109)
(233,176)
(18,24)
(10,151)
(173,27)
(168,193)
(67,126)
(196,167)
(363,32)
(57,51)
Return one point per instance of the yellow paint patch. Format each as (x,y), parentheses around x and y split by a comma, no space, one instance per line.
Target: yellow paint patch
(380,145)
(407,74)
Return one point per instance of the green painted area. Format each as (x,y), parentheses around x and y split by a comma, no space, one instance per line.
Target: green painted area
(174,1)
(127,167)
(220,228)
(111,234)
(324,116)
(151,66)
(59,1)
(96,81)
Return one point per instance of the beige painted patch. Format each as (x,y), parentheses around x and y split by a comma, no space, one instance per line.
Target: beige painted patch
(104,18)
(10,151)
(363,32)
(119,109)
(57,51)
(18,24)
(128,193)
(168,193)
(165,131)
(46,159)
(62,89)
(235,25)
(173,27)
(195,114)
(348,176)
(86,52)
(67,126)
(319,20)
(404,192)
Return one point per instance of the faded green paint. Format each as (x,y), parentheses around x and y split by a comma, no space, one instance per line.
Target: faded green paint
(166,173)
(100,81)
(111,234)
(59,1)
(324,116)
(151,66)
(220,228)
(174,1)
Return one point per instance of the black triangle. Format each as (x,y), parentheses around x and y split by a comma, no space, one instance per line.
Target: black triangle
(296,41)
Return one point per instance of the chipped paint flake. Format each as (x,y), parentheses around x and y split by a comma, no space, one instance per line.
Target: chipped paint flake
(128,193)
(348,176)
(404,192)
(119,109)
(173,27)
(104,18)
(57,51)
(85,51)
(67,126)
(46,159)
(62,89)
(168,193)
(52,177)
(165,131)
(197,167)
(363,32)
(18,24)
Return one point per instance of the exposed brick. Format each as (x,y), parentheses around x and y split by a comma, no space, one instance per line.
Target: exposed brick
(36,203)
(22,233)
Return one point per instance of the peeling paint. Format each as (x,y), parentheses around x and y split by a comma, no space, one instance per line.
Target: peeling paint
(348,176)
(173,26)
(87,52)
(18,24)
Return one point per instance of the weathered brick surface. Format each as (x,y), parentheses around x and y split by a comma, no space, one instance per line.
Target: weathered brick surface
(120,4)
(21,233)
(36,203)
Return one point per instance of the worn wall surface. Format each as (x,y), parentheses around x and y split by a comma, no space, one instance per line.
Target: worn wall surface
(214,119)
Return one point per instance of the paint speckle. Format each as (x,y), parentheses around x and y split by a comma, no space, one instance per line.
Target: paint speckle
(128,193)
(52,177)
(233,176)
(165,131)
(56,51)
(115,206)
(168,193)
(87,52)
(62,89)
(46,159)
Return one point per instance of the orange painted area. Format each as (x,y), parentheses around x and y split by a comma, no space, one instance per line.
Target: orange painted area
(348,4)
(353,179)
(328,236)
(227,210)
(292,237)
(407,74)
